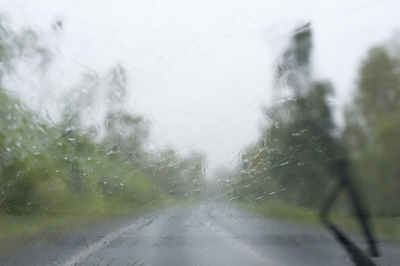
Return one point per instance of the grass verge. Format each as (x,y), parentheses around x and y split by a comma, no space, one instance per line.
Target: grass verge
(384,227)
(75,214)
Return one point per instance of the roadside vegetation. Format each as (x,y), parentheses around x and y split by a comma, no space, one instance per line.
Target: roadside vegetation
(302,152)
(60,172)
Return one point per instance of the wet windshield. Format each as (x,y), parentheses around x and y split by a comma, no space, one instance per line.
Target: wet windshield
(199,133)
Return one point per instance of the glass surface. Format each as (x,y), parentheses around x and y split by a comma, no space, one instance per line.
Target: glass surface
(199,132)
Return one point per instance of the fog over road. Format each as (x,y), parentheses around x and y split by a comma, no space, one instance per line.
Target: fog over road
(205,234)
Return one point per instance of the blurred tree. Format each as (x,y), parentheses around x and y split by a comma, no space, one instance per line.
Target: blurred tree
(293,159)
(372,130)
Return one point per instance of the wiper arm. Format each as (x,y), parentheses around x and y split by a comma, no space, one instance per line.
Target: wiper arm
(358,256)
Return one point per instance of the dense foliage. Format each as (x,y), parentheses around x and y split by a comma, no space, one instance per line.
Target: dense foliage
(57,166)
(298,155)
(372,131)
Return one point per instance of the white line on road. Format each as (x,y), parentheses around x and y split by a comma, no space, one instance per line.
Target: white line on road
(96,246)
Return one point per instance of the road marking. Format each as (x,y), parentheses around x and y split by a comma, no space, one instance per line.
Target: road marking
(96,246)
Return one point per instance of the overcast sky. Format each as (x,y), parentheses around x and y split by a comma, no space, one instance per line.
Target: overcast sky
(201,71)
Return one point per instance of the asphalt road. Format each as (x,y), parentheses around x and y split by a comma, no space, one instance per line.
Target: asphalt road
(205,234)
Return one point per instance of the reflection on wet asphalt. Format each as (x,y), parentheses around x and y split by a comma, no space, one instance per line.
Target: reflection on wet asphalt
(213,234)
(205,234)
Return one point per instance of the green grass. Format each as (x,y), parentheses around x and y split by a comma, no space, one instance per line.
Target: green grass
(384,227)
(27,226)
(76,213)
(282,210)
(387,227)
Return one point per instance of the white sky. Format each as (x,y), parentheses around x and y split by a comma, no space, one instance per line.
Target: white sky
(202,70)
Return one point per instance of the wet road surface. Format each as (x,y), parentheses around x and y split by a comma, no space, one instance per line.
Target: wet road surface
(205,234)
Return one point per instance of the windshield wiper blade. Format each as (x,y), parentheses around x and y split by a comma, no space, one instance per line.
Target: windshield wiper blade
(358,256)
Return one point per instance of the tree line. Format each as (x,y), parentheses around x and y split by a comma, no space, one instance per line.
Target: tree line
(295,158)
(54,166)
